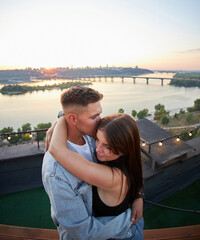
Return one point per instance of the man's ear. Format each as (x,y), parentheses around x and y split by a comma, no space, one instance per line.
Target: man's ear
(72,118)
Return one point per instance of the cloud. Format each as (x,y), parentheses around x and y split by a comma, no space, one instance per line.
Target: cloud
(190,51)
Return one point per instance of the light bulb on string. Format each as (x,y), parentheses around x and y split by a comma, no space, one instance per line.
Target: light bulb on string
(160,143)
(143,144)
(178,139)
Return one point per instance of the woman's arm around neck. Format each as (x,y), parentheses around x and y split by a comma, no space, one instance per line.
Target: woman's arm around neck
(95,174)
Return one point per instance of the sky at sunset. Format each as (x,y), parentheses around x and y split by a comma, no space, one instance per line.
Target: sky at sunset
(153,34)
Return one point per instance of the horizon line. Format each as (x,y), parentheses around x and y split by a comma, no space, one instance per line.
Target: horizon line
(67,67)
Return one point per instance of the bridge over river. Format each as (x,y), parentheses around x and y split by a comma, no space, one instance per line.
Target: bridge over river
(123,78)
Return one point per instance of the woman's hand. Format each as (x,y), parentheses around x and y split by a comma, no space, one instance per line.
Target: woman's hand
(137,210)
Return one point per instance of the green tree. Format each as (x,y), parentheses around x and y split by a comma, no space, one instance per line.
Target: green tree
(159,107)
(134,113)
(7,130)
(143,113)
(158,114)
(26,127)
(121,110)
(190,109)
(160,111)
(165,120)
(41,135)
(176,115)
(197,104)
(182,111)
(43,125)
(12,138)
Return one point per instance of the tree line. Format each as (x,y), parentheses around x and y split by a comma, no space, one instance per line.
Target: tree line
(161,115)
(21,89)
(186,80)
(160,111)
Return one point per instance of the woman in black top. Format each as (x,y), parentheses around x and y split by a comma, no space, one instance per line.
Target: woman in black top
(117,177)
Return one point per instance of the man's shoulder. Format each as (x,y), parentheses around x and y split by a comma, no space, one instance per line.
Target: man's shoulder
(48,162)
(51,168)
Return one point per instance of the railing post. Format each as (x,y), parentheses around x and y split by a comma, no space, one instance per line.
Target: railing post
(149,148)
(38,141)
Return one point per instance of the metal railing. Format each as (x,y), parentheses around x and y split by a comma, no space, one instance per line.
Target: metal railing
(162,140)
(23,137)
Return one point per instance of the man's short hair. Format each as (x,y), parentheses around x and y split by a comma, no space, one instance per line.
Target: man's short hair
(80,95)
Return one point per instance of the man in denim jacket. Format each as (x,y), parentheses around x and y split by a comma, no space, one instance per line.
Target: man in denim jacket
(70,197)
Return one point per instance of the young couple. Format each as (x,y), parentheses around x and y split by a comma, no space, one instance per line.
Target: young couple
(92,186)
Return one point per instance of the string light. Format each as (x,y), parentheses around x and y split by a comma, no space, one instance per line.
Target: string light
(177,139)
(143,144)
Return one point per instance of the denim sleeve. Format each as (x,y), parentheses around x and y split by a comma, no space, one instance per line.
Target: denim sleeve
(71,215)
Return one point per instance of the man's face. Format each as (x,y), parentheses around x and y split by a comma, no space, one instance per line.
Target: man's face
(88,118)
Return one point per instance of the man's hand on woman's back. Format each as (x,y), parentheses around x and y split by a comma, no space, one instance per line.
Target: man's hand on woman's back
(49,134)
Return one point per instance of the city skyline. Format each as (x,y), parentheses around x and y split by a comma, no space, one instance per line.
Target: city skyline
(156,34)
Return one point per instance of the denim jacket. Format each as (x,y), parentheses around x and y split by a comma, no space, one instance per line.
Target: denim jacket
(71,204)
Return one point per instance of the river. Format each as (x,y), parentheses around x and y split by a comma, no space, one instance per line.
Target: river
(43,106)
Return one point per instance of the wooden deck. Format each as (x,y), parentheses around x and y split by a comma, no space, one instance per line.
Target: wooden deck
(18,233)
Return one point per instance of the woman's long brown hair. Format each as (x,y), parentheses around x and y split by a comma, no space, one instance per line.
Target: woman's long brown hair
(122,135)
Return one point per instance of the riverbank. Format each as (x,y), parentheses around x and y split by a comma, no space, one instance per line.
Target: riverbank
(191,79)
(22,89)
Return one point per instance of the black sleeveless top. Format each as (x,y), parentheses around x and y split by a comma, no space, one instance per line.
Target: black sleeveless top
(100,208)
